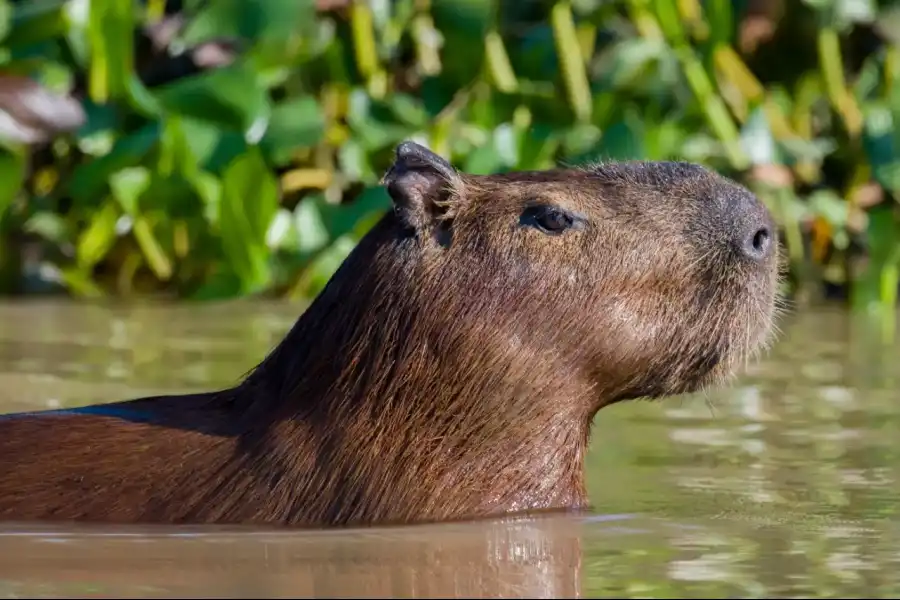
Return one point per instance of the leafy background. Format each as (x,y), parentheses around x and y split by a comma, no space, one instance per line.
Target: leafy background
(232,148)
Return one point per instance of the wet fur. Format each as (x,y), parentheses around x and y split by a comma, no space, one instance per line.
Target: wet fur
(450,369)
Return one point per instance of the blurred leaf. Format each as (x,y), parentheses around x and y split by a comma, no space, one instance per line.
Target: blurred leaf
(12,176)
(127,187)
(282,234)
(464,25)
(209,189)
(249,202)
(317,274)
(100,235)
(880,144)
(373,130)
(312,232)
(256,20)
(354,162)
(35,21)
(296,123)
(622,141)
(231,96)
(830,206)
(539,144)
(571,63)
(80,284)
(48,225)
(807,150)
(151,248)
(633,57)
(90,178)
(883,233)
(483,160)
(222,283)
(201,139)
(338,220)
(408,109)
(757,140)
(110,30)
(721,21)
(6,13)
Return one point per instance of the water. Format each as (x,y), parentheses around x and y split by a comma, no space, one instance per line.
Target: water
(784,485)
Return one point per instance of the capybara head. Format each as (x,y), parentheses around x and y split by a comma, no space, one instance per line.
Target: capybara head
(642,279)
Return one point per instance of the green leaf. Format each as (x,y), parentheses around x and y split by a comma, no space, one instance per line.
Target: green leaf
(6,13)
(203,139)
(830,206)
(319,216)
(282,233)
(881,145)
(222,283)
(483,160)
(324,266)
(79,283)
(48,225)
(312,232)
(100,235)
(877,284)
(209,189)
(354,162)
(250,199)
(622,141)
(36,21)
(757,140)
(151,248)
(464,25)
(230,96)
(374,128)
(409,110)
(255,20)
(111,34)
(175,154)
(720,19)
(89,179)
(127,187)
(296,123)
(538,145)
(12,176)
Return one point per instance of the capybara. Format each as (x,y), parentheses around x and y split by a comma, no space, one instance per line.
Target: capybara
(450,369)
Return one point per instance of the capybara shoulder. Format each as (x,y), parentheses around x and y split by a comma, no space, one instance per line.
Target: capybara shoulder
(452,366)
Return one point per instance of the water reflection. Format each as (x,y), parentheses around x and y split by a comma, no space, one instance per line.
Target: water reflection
(785,485)
(518,558)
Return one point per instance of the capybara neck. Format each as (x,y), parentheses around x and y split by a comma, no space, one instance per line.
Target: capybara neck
(422,412)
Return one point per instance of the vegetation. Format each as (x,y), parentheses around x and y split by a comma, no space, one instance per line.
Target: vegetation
(228,148)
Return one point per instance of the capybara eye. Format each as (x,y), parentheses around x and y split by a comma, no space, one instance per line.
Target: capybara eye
(547,219)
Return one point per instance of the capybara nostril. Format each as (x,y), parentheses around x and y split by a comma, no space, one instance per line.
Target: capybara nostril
(757,245)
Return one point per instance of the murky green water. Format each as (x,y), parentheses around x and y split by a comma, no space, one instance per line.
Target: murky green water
(785,485)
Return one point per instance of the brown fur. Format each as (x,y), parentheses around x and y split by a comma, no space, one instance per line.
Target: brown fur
(450,369)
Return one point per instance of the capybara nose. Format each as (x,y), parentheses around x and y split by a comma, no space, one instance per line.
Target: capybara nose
(758,243)
(754,229)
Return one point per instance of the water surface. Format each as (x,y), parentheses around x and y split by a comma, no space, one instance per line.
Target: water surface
(784,485)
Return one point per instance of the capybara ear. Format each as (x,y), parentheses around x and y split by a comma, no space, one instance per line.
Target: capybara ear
(419,182)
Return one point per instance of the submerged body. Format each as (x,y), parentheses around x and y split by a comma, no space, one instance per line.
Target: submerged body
(450,369)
